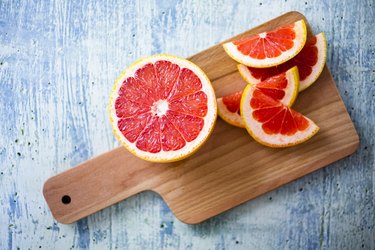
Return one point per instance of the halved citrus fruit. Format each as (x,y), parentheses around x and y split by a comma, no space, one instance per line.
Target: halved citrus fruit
(310,62)
(271,123)
(162,108)
(268,49)
(282,87)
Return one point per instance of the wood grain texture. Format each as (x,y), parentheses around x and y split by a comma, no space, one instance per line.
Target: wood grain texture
(58,62)
(229,169)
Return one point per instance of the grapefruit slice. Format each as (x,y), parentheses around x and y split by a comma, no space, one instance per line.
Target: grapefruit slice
(162,108)
(269,49)
(282,87)
(271,123)
(310,62)
(228,108)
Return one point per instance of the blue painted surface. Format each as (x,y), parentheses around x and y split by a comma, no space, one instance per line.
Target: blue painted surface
(58,62)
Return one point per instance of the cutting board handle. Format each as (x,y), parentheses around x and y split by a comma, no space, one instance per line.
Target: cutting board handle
(98,183)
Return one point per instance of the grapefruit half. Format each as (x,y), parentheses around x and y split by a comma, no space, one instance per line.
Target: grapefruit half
(268,49)
(162,108)
(310,62)
(271,123)
(282,87)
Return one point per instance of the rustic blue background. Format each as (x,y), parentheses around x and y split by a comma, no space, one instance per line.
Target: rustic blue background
(58,62)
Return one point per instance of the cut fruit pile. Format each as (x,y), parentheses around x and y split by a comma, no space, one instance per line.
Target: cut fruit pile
(276,64)
(163,108)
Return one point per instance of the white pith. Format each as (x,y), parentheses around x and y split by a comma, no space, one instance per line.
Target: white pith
(209,119)
(160,108)
(263,35)
(289,97)
(299,41)
(318,67)
(246,74)
(276,140)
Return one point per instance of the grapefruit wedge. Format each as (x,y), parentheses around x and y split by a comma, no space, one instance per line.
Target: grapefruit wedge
(271,123)
(310,62)
(162,108)
(269,49)
(228,109)
(282,87)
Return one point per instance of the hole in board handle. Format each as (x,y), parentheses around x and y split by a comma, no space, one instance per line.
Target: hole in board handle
(66,199)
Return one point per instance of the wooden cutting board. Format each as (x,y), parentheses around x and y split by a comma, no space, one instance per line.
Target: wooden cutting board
(228,170)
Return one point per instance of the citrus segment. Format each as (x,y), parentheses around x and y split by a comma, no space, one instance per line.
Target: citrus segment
(168,74)
(189,126)
(130,91)
(132,127)
(149,139)
(310,62)
(188,83)
(268,49)
(163,108)
(194,104)
(146,78)
(171,138)
(271,123)
(232,102)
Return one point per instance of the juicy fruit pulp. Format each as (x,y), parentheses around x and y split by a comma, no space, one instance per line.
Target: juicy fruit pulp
(162,107)
(310,62)
(269,48)
(232,102)
(276,118)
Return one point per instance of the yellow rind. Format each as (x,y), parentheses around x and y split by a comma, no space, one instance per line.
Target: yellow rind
(194,149)
(295,74)
(229,121)
(259,140)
